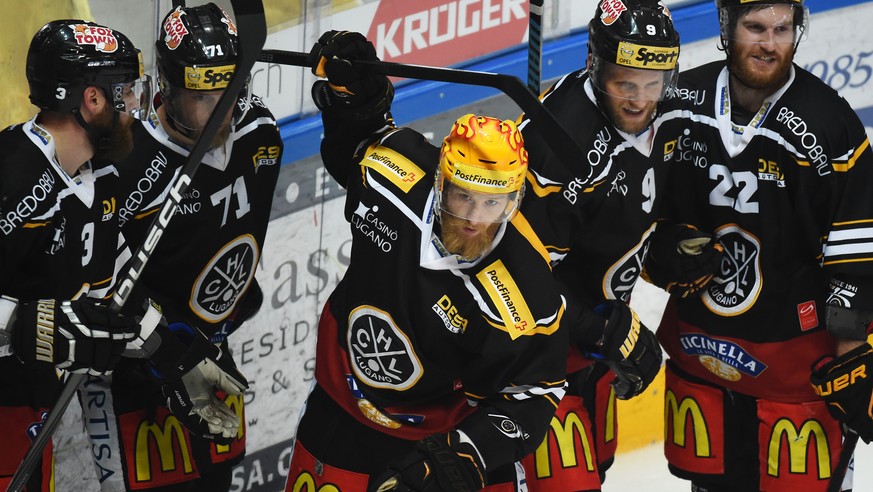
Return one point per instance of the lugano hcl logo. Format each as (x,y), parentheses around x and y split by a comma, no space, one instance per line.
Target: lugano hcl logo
(381,354)
(224,278)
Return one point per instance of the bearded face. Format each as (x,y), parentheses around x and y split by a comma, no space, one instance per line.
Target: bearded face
(762,49)
(110,135)
(465,238)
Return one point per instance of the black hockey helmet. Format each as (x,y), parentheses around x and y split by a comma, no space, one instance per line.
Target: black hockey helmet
(637,34)
(729,12)
(197,50)
(67,56)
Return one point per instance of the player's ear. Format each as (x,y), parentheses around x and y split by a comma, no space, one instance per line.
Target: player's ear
(93,102)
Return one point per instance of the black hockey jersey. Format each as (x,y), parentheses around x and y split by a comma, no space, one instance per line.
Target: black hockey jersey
(603,209)
(58,235)
(789,197)
(207,256)
(412,333)
(58,239)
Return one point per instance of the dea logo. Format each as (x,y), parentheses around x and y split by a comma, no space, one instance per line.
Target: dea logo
(224,278)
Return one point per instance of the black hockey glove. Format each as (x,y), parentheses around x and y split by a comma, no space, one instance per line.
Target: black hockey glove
(682,260)
(78,336)
(362,89)
(846,385)
(439,463)
(193,369)
(629,348)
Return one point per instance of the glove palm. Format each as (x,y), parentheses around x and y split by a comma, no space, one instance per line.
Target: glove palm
(192,374)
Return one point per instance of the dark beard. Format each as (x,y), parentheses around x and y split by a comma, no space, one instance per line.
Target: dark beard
(758,81)
(111,139)
(459,244)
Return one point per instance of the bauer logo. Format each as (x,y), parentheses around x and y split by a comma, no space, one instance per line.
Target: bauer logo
(381,354)
(224,278)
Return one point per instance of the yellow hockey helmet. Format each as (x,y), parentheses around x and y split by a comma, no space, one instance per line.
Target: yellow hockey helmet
(481,158)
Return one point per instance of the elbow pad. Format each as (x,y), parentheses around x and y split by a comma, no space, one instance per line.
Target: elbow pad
(848,323)
(850,308)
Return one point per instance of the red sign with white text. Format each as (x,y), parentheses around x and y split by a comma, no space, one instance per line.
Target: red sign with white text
(446,32)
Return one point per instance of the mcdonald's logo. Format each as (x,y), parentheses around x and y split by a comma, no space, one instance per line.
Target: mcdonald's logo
(798,445)
(164,437)
(564,433)
(305,483)
(679,413)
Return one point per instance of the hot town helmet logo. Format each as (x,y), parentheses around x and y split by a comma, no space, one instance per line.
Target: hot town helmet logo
(380,353)
(103,39)
(231,27)
(224,278)
(175,29)
(611,10)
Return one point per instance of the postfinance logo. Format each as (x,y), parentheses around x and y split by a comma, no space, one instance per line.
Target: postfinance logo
(506,295)
(679,413)
(798,446)
(151,435)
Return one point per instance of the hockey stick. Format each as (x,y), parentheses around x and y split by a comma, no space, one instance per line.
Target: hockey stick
(835,484)
(252,30)
(534,45)
(556,136)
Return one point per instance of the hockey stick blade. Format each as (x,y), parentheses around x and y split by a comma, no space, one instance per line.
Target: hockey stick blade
(561,143)
(252,30)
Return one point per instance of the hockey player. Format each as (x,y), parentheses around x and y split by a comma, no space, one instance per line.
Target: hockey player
(596,220)
(58,235)
(440,354)
(203,266)
(778,167)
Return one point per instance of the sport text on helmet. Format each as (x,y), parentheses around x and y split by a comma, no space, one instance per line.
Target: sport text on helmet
(483,155)
(197,50)
(636,34)
(67,56)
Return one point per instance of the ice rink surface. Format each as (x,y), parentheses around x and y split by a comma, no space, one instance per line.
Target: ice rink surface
(645,470)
